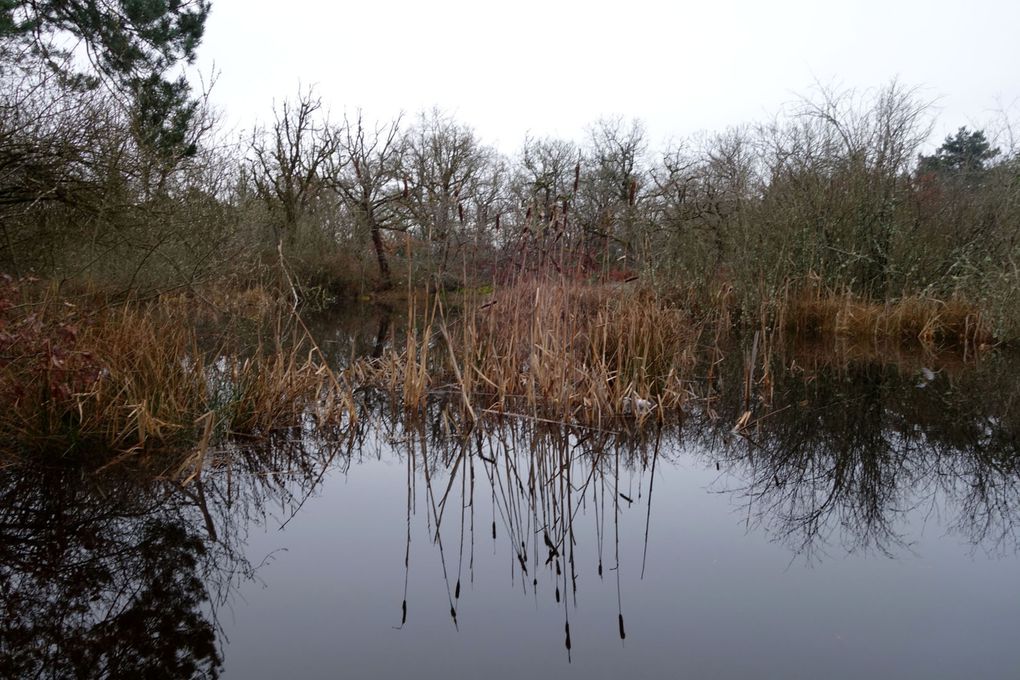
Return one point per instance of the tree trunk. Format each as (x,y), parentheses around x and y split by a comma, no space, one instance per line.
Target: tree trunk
(384,267)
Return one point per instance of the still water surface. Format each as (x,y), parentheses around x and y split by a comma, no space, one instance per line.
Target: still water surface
(864,526)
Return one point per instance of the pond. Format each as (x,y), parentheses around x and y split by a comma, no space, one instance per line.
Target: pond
(863,521)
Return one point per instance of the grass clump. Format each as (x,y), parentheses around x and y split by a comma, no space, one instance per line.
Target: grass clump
(914,319)
(135,377)
(549,348)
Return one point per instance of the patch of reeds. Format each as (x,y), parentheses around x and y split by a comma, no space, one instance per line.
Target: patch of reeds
(553,349)
(134,377)
(926,321)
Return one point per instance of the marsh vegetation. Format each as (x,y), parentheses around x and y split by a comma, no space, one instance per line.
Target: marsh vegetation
(597,545)
(457,377)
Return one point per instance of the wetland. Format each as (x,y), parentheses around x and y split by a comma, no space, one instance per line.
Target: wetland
(861,520)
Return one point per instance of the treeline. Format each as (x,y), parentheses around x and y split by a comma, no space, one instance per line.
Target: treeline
(834,194)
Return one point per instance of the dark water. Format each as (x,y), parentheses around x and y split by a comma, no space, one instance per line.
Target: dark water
(864,525)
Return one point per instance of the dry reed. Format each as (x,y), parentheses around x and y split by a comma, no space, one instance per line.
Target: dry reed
(134,378)
(555,349)
(927,321)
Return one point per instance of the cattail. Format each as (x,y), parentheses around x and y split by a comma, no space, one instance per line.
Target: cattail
(548,542)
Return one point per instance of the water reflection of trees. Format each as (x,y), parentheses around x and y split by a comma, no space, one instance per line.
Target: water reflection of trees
(120,572)
(99,578)
(847,453)
(854,455)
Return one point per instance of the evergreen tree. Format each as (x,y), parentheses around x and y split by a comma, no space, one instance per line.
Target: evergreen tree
(964,152)
(132,46)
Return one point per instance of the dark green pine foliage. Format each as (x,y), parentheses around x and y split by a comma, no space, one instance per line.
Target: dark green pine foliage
(964,152)
(131,45)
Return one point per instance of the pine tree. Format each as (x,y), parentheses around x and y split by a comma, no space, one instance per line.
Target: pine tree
(964,152)
(131,45)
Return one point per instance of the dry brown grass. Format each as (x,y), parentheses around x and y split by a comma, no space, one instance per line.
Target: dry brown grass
(570,352)
(928,322)
(552,349)
(143,377)
(133,377)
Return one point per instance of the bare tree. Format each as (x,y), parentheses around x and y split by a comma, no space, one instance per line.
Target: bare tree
(702,193)
(547,174)
(842,168)
(366,176)
(287,161)
(82,192)
(447,171)
(612,182)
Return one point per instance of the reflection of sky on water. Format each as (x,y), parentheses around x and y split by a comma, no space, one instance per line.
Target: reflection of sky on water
(716,600)
(863,526)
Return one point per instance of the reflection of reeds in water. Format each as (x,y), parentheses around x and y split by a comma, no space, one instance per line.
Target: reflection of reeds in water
(541,481)
(843,453)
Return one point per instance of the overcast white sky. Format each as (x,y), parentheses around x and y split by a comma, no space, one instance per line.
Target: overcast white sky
(551,67)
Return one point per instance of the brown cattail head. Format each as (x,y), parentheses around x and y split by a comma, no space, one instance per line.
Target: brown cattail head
(460,212)
(577,176)
(633,192)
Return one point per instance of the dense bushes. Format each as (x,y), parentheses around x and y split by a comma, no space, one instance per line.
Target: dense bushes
(831,195)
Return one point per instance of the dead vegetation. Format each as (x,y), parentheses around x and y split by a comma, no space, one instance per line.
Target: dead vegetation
(185,372)
(546,348)
(135,377)
(583,353)
(915,319)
